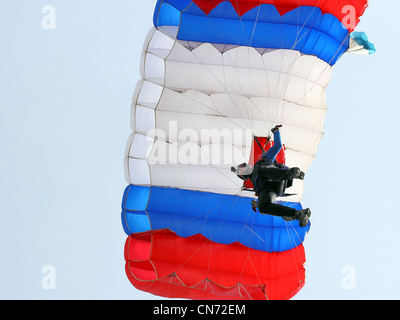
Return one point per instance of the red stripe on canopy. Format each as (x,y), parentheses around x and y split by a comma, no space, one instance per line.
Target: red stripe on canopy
(341,9)
(162,263)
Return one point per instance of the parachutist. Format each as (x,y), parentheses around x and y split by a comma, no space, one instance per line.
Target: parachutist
(270,180)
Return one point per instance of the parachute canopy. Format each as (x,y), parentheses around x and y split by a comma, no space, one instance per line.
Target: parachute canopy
(216,74)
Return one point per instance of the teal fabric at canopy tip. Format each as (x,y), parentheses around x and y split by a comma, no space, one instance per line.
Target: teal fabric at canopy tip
(362,39)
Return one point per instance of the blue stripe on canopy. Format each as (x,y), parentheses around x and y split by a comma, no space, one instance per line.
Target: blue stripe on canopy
(304,29)
(222,218)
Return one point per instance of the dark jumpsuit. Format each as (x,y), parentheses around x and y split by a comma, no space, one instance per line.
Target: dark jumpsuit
(270,180)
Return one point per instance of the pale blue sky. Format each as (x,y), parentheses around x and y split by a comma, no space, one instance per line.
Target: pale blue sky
(64,120)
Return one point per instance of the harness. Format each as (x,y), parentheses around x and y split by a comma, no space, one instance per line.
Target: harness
(279,187)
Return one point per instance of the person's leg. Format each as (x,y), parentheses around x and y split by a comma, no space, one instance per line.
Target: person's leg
(267,205)
(272,173)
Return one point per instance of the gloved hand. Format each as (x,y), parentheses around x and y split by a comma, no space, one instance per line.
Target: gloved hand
(254,205)
(276,128)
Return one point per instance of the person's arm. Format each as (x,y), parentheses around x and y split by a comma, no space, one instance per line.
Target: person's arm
(276,148)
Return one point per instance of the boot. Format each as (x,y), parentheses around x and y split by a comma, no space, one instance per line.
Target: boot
(302,216)
(295,173)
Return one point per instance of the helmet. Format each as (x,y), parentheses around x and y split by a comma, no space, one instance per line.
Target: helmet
(243,171)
